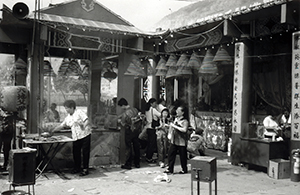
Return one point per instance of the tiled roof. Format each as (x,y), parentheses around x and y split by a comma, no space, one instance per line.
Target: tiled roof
(208,11)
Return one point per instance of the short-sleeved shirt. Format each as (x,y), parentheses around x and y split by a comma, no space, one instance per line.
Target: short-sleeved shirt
(73,121)
(152,113)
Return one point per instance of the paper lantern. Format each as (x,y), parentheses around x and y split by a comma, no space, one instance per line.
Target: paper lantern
(14,98)
(222,56)
(110,75)
(208,66)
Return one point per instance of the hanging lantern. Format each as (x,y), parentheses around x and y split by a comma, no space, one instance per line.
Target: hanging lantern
(222,56)
(14,98)
(48,70)
(208,66)
(195,62)
(110,75)
(183,70)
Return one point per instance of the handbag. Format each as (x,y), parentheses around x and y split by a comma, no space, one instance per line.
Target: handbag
(154,123)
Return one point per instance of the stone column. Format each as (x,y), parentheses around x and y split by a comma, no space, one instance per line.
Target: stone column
(241,97)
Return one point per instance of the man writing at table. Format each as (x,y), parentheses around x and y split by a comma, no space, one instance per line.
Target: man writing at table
(77,120)
(271,127)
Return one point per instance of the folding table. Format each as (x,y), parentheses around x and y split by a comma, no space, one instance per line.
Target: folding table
(55,144)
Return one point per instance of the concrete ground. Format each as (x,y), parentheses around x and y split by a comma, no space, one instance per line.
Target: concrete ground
(150,179)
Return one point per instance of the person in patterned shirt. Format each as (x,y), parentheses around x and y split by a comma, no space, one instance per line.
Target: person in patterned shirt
(78,121)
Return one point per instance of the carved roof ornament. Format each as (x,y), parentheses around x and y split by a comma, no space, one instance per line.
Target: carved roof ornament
(90,6)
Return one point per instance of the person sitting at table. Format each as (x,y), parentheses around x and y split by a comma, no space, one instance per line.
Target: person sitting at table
(78,121)
(285,118)
(271,126)
(285,124)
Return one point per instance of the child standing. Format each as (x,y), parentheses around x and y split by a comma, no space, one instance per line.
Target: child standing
(161,132)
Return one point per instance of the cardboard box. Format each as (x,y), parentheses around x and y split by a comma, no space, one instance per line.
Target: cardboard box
(279,169)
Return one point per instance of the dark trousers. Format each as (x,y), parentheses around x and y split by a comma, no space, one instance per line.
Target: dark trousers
(82,145)
(151,143)
(172,157)
(132,142)
(5,141)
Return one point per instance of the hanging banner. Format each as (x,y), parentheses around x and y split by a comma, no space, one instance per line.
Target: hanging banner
(295,128)
(237,88)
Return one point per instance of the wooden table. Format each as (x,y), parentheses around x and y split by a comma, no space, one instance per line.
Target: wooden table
(259,151)
(55,143)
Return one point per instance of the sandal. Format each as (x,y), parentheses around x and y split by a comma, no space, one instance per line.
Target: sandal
(167,171)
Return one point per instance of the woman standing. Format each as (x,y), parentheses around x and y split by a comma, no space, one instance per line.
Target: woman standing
(161,133)
(178,141)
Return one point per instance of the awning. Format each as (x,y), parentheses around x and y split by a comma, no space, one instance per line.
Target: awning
(91,25)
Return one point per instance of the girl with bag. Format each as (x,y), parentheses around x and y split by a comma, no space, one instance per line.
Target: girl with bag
(161,133)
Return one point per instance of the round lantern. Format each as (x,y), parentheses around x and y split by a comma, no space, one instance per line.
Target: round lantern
(14,98)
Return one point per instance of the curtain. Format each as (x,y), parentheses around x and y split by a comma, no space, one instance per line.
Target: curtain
(209,80)
(269,86)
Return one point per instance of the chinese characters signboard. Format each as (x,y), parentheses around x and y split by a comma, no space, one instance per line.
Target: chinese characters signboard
(295,130)
(238,87)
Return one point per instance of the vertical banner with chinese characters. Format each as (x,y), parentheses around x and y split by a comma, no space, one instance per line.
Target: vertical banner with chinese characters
(239,62)
(295,130)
